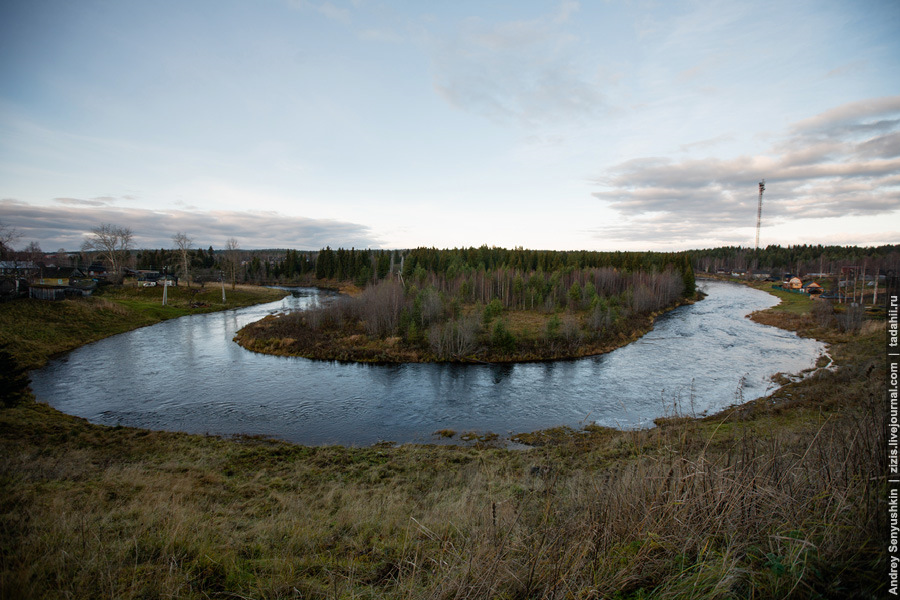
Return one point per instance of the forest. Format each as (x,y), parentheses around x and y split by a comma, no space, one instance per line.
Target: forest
(362,266)
(486,304)
(798,259)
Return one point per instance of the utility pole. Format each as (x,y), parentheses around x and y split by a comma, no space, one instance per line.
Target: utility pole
(762,188)
(165,284)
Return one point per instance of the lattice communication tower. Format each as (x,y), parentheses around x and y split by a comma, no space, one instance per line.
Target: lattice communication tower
(762,188)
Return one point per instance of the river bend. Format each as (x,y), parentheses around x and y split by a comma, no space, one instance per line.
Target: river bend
(188,375)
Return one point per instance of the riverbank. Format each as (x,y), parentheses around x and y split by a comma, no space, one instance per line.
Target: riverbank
(775,498)
(36,331)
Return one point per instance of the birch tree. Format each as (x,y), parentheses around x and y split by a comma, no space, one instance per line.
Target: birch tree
(232,257)
(183,243)
(112,243)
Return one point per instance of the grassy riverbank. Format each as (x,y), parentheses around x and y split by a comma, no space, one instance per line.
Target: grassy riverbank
(37,330)
(777,498)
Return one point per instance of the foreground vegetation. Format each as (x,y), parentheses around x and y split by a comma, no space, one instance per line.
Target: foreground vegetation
(773,499)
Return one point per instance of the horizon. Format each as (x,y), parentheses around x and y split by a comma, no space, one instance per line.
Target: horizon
(544,124)
(207,247)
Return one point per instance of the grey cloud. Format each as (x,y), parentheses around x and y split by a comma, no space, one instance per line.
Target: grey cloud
(519,71)
(66,226)
(885,146)
(853,116)
(81,202)
(843,162)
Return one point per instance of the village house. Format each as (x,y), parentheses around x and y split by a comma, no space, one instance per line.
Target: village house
(57,283)
(97,271)
(18,268)
(813,289)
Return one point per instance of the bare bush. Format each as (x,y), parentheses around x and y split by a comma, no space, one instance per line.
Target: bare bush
(455,338)
(431,306)
(379,307)
(823,313)
(601,319)
(571,331)
(850,321)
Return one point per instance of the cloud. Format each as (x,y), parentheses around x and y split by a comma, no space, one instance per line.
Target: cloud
(842,162)
(66,226)
(327,9)
(720,139)
(99,201)
(381,35)
(334,12)
(516,71)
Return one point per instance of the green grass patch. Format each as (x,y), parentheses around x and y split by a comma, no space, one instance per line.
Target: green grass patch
(37,330)
(790,302)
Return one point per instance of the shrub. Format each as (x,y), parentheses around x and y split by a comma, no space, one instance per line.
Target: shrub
(850,321)
(493,309)
(823,313)
(14,379)
(553,325)
(502,339)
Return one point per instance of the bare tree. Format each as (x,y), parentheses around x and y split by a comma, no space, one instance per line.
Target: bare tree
(183,243)
(33,252)
(232,258)
(62,258)
(112,243)
(8,235)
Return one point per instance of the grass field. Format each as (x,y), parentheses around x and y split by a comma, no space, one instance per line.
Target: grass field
(778,498)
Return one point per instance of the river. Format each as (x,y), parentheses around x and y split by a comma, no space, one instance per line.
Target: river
(188,375)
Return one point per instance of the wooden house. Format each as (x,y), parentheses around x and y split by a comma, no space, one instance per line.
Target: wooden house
(813,289)
(18,268)
(56,283)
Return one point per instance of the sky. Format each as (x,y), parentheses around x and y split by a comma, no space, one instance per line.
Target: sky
(556,125)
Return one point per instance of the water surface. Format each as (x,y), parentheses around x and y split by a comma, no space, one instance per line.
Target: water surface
(188,375)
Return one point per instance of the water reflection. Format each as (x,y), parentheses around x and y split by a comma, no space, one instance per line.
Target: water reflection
(189,375)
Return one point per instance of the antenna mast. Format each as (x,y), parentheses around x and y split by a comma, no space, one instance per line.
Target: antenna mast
(762,188)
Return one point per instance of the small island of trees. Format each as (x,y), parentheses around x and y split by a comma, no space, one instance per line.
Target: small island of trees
(481,305)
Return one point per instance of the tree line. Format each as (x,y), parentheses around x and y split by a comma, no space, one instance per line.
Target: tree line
(796,259)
